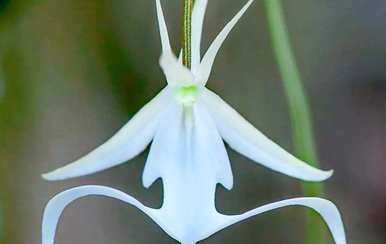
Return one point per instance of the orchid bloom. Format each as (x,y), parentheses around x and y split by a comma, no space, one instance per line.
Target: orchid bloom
(187,124)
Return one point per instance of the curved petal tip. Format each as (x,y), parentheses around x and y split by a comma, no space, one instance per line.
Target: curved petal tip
(312,175)
(327,174)
(51,176)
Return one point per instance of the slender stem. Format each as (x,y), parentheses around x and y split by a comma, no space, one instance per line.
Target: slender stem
(187,33)
(303,136)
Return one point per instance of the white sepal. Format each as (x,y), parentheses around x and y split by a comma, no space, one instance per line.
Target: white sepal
(127,143)
(165,42)
(247,140)
(172,67)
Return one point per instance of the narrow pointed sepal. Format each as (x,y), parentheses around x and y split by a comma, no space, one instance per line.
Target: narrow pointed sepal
(247,140)
(173,69)
(209,57)
(165,42)
(56,206)
(127,143)
(326,209)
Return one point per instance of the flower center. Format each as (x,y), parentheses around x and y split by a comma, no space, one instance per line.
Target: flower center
(186,94)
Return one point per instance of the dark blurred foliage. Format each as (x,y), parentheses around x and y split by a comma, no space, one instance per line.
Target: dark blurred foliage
(4,4)
(73,72)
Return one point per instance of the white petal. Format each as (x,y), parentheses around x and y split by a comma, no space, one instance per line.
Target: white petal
(197,23)
(174,70)
(208,60)
(56,206)
(131,140)
(166,147)
(247,140)
(325,208)
(210,148)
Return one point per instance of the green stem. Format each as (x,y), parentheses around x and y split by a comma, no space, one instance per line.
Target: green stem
(303,136)
(187,33)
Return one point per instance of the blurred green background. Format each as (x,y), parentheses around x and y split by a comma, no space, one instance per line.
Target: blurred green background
(73,72)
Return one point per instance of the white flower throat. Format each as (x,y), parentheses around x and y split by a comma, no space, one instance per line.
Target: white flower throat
(186,94)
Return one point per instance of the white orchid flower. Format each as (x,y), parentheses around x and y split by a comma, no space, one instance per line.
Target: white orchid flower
(187,124)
